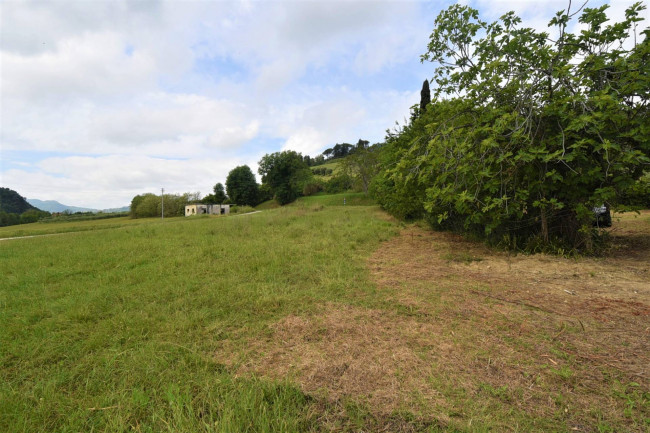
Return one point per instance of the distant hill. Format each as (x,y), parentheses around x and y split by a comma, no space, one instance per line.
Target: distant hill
(55,206)
(117,209)
(12,202)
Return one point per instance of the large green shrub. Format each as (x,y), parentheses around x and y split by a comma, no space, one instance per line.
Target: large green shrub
(526,133)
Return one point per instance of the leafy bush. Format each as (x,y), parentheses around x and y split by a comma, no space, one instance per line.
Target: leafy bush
(33,215)
(638,195)
(313,188)
(339,183)
(9,219)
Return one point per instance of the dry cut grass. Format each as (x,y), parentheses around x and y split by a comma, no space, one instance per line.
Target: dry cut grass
(469,339)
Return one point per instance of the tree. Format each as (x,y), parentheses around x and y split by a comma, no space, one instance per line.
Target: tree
(286,174)
(219,193)
(526,133)
(361,144)
(317,160)
(425,97)
(341,150)
(12,202)
(33,215)
(362,164)
(242,187)
(150,205)
(135,204)
(9,219)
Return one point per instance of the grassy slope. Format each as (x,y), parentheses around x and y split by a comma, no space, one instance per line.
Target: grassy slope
(334,166)
(116,329)
(322,199)
(268,205)
(347,199)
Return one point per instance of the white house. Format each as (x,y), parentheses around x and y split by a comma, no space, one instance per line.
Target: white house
(207,209)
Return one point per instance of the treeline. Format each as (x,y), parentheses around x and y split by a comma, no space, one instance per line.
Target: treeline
(14,209)
(524,135)
(151,205)
(339,150)
(285,177)
(30,216)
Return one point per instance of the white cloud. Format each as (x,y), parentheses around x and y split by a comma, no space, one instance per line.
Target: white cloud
(280,41)
(82,67)
(307,140)
(178,125)
(537,14)
(113,180)
(138,95)
(343,115)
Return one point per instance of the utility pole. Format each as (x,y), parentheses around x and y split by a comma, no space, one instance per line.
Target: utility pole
(162,203)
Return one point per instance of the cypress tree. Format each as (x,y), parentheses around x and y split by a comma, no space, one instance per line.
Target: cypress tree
(425,97)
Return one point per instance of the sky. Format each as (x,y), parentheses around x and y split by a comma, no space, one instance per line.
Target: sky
(104,100)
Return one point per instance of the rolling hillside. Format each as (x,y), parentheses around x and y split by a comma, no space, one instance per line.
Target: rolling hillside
(12,202)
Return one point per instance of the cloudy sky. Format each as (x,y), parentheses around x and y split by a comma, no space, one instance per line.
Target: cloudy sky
(103,100)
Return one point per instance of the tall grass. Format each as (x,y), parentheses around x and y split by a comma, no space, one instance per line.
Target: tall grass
(342,199)
(116,329)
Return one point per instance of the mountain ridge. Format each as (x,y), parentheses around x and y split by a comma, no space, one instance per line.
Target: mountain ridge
(55,206)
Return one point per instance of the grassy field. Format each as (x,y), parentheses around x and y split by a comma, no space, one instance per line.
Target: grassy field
(317,317)
(334,166)
(343,199)
(43,228)
(118,329)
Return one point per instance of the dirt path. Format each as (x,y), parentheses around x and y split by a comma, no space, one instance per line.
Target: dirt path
(37,236)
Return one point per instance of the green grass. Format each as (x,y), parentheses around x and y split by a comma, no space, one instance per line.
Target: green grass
(41,228)
(267,205)
(140,325)
(322,199)
(334,166)
(349,198)
(115,327)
